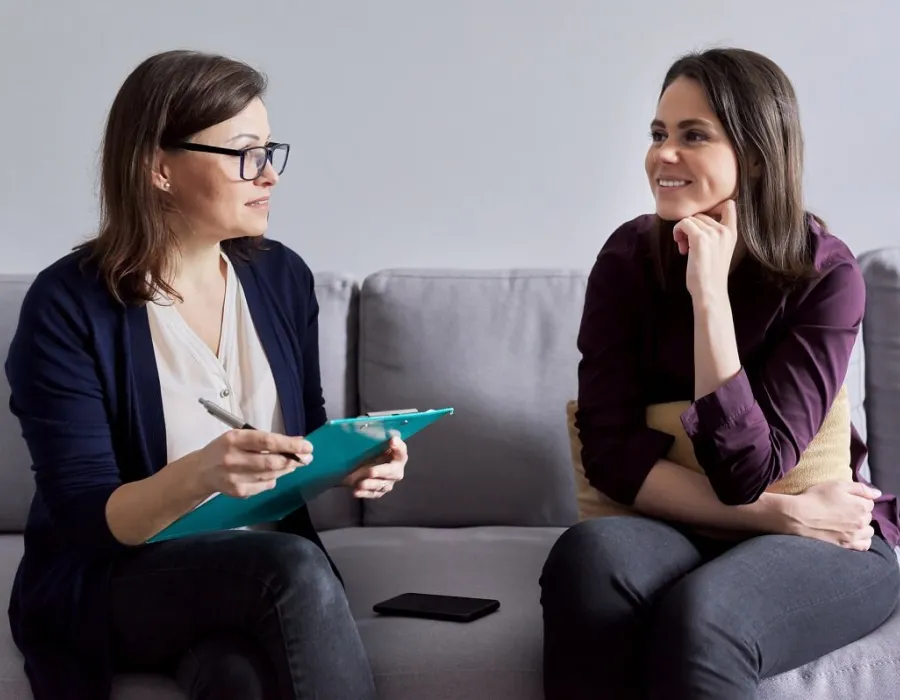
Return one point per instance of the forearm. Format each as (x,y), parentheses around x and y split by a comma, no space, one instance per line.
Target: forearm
(138,510)
(671,492)
(716,358)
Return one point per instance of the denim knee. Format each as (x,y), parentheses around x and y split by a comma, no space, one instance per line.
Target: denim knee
(295,565)
(583,565)
(223,668)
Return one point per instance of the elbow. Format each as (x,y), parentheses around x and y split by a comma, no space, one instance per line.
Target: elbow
(606,482)
(82,521)
(742,483)
(731,494)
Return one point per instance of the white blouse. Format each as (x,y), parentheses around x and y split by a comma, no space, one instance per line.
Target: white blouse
(238,379)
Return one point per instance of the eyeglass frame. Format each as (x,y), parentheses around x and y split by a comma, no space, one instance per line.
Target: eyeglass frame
(270,148)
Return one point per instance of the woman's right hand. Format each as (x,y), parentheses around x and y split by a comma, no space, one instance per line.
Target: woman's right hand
(839,512)
(243,463)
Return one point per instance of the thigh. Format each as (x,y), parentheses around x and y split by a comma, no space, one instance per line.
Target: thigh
(626,558)
(168,597)
(790,599)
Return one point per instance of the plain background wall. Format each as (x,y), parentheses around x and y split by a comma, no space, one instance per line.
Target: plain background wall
(473,133)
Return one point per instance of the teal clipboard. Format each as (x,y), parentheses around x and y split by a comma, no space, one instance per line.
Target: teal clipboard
(339,446)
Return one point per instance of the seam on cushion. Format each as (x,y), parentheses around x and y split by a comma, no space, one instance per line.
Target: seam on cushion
(851,668)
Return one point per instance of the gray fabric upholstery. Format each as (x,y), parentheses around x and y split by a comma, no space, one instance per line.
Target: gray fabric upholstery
(498,656)
(500,348)
(881,328)
(338,332)
(16,478)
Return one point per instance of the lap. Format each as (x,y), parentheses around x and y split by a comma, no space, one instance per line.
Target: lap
(629,553)
(168,596)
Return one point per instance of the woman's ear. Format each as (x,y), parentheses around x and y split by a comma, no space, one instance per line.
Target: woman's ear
(160,174)
(755,167)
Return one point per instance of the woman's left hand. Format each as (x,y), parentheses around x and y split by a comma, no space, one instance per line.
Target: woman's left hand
(709,245)
(377,477)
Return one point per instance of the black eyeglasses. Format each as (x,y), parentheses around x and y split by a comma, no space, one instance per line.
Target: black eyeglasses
(253,158)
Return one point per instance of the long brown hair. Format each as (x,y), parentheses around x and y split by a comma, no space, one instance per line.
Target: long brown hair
(168,98)
(757,106)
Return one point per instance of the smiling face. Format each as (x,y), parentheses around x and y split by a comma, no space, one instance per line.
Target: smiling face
(206,189)
(691,164)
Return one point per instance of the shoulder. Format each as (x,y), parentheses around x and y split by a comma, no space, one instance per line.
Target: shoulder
(70,283)
(630,242)
(837,285)
(275,255)
(282,275)
(276,261)
(627,255)
(60,313)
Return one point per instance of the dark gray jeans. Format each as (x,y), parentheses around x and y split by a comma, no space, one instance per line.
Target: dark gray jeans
(239,614)
(635,608)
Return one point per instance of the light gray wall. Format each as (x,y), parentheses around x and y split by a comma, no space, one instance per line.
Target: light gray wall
(474,133)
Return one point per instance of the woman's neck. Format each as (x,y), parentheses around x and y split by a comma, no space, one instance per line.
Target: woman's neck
(197,266)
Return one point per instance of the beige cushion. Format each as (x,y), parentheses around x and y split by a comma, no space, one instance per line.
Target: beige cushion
(826,458)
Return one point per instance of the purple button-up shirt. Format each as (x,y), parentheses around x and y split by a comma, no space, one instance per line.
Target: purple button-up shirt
(636,341)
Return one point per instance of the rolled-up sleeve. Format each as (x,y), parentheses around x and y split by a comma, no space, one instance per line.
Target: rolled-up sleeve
(57,396)
(618,449)
(753,429)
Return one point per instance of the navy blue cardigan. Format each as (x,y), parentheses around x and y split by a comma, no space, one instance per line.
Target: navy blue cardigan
(85,389)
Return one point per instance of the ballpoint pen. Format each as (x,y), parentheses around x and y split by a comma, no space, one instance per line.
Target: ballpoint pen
(233,421)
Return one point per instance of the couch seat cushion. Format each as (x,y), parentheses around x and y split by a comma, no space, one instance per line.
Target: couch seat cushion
(496,657)
(499,656)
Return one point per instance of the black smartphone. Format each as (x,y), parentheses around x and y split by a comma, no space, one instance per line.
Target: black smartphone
(437,607)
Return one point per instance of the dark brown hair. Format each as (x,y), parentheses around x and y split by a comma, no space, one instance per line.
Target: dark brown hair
(168,98)
(756,104)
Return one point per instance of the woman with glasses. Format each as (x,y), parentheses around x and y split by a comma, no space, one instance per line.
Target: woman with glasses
(178,297)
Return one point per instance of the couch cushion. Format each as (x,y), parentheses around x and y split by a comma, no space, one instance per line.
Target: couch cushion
(497,657)
(338,298)
(499,347)
(16,478)
(881,330)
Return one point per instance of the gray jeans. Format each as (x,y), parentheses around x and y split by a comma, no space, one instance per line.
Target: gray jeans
(237,614)
(636,608)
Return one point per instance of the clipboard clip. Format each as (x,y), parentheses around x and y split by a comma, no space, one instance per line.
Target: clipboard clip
(399,412)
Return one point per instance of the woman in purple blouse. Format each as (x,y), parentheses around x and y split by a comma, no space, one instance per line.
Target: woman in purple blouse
(735,298)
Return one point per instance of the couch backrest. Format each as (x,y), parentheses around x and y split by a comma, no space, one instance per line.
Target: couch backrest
(337,296)
(881,343)
(500,348)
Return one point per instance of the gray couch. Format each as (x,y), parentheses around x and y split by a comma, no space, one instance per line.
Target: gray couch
(489,489)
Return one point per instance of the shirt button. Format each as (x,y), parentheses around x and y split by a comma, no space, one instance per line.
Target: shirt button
(224,393)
